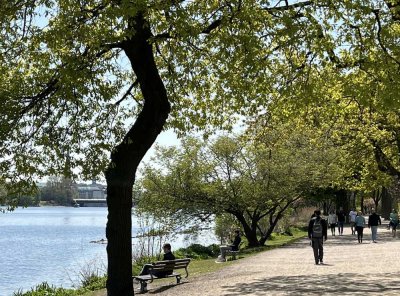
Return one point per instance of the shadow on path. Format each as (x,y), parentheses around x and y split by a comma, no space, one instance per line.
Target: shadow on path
(334,284)
(384,236)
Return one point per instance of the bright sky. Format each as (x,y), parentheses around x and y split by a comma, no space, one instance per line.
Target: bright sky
(166,138)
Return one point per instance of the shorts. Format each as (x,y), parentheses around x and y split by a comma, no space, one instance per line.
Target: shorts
(393,224)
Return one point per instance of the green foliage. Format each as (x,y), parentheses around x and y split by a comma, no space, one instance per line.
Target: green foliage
(94,282)
(256,181)
(61,191)
(197,251)
(71,92)
(45,289)
(225,224)
(140,261)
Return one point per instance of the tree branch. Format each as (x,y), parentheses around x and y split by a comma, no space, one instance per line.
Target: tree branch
(127,93)
(288,6)
(379,35)
(394,7)
(383,161)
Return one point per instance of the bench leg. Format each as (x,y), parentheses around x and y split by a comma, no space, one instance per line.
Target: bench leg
(178,279)
(143,287)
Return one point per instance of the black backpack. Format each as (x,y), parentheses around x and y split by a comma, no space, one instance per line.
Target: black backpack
(317,228)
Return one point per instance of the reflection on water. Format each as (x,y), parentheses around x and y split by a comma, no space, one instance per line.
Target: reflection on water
(53,244)
(49,244)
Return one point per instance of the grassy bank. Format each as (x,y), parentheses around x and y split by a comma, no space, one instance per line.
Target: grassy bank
(196,268)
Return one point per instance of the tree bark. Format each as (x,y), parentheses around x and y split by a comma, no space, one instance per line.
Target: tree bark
(386,202)
(125,158)
(249,232)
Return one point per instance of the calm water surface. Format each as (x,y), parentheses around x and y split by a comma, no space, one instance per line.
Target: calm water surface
(53,244)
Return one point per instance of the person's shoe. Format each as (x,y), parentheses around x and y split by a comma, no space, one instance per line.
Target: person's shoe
(321,261)
(316,262)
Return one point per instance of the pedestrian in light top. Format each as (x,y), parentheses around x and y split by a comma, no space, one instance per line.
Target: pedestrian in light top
(359,226)
(373,221)
(332,221)
(352,219)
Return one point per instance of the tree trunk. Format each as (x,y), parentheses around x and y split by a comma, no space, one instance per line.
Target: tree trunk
(125,158)
(362,203)
(272,225)
(342,201)
(274,221)
(249,232)
(387,203)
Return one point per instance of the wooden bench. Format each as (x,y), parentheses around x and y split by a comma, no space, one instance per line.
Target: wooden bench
(233,253)
(163,267)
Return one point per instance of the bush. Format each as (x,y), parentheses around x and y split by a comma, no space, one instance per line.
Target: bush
(139,261)
(44,289)
(197,251)
(92,277)
(94,282)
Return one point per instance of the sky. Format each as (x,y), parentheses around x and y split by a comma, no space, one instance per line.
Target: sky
(166,138)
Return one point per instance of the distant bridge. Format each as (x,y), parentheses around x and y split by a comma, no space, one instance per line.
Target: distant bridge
(91,202)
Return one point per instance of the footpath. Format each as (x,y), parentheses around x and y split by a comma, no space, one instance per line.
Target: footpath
(349,268)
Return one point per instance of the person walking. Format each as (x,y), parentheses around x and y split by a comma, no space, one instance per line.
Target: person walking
(373,221)
(352,219)
(317,233)
(359,226)
(341,218)
(394,221)
(332,221)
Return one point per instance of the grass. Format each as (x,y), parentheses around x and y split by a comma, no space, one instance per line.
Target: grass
(204,266)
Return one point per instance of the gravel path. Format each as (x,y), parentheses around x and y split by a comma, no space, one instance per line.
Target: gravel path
(350,269)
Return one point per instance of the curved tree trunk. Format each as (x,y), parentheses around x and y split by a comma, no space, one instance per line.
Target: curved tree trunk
(249,232)
(125,158)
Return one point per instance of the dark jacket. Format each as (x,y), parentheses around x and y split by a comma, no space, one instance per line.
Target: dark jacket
(324,227)
(236,243)
(168,256)
(374,220)
(341,216)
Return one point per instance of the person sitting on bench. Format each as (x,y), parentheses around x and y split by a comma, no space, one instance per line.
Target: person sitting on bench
(232,247)
(167,256)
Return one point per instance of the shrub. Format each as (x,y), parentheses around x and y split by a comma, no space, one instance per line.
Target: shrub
(94,282)
(197,251)
(139,261)
(44,289)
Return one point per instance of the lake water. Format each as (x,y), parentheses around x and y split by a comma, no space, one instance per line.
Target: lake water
(53,244)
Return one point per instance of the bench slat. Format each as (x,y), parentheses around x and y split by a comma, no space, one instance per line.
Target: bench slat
(165,266)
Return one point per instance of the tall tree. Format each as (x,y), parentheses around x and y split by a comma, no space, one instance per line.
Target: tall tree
(256,182)
(82,79)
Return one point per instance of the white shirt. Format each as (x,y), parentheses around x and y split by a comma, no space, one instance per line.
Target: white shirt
(332,219)
(353,215)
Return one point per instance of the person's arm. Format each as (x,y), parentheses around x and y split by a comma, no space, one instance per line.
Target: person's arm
(325,229)
(379,219)
(310,225)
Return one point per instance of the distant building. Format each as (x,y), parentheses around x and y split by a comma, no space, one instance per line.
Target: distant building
(92,191)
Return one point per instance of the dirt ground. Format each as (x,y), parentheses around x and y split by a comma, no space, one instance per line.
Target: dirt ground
(349,268)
